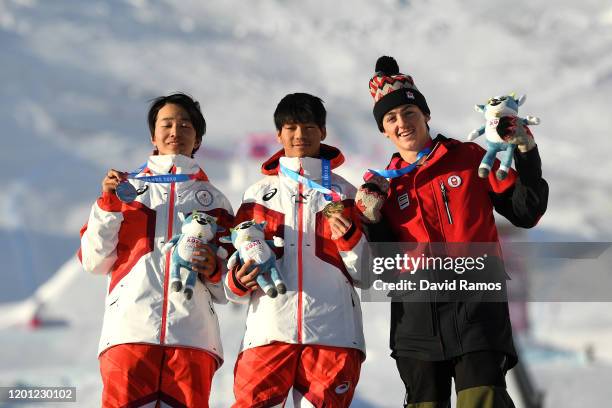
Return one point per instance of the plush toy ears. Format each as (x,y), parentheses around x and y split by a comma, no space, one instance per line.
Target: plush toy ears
(479,108)
(226,240)
(520,100)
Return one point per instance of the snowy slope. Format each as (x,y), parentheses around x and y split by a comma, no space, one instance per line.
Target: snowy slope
(77,77)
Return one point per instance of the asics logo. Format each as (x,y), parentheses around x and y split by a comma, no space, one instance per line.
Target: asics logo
(269,194)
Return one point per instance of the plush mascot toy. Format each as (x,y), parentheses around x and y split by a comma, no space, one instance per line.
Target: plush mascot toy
(198,229)
(494,110)
(249,240)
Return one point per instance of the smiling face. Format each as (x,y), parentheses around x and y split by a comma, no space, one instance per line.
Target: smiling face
(406,127)
(174,133)
(301,139)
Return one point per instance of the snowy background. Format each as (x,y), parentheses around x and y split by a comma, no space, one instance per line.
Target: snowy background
(77,77)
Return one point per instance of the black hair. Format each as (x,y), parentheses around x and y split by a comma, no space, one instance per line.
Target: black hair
(299,108)
(191,106)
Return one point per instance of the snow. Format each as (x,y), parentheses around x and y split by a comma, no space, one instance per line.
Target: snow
(77,78)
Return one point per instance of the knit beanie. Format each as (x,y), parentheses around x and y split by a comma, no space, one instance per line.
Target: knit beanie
(391,89)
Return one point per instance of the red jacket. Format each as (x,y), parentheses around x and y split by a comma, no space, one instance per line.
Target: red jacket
(444,200)
(420,212)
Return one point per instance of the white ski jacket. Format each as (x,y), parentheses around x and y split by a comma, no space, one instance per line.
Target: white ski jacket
(321,305)
(124,241)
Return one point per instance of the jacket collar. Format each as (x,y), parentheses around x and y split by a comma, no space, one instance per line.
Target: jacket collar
(310,165)
(166,163)
(439,147)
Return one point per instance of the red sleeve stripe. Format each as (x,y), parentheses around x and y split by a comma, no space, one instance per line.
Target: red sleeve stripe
(353,235)
(234,284)
(109,202)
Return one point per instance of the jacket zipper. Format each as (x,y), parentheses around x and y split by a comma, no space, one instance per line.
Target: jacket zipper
(300,257)
(445,199)
(162,336)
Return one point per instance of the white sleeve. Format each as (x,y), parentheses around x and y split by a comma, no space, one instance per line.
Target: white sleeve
(99,241)
(356,261)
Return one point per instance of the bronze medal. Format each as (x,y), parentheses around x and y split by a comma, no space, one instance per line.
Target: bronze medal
(333,208)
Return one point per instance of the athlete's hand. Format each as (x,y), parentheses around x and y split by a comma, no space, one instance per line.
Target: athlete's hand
(246,278)
(339,225)
(204,260)
(512,130)
(112,179)
(371,196)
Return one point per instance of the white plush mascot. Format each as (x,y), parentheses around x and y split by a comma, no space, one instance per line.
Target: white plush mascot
(506,107)
(198,229)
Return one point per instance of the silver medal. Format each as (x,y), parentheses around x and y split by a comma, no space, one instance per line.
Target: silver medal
(126,192)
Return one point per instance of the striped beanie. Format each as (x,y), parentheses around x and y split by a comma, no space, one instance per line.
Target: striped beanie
(391,89)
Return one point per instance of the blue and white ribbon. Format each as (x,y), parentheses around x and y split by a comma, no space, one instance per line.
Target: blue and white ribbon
(330,195)
(400,172)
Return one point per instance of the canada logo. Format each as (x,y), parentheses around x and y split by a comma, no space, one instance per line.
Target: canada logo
(454,181)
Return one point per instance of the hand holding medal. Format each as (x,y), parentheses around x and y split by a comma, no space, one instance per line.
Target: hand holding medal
(332,210)
(117,181)
(335,207)
(112,181)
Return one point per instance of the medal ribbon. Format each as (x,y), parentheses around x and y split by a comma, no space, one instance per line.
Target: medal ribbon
(330,194)
(162,178)
(400,172)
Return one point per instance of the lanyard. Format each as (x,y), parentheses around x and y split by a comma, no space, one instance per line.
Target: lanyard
(127,193)
(400,172)
(162,178)
(330,195)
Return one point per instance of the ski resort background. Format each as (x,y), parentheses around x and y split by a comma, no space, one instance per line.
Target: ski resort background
(77,78)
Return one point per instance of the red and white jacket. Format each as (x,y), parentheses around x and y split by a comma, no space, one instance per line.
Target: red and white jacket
(321,305)
(124,241)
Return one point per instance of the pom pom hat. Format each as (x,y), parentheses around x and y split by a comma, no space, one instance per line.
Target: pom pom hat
(391,89)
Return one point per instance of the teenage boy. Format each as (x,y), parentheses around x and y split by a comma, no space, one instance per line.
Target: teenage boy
(310,338)
(442,199)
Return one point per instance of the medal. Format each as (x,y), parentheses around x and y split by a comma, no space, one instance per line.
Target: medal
(400,172)
(126,192)
(334,207)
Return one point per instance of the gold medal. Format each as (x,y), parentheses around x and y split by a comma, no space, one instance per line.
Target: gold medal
(333,208)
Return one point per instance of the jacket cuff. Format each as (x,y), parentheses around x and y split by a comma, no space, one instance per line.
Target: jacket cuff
(215,277)
(234,284)
(109,202)
(349,239)
(528,166)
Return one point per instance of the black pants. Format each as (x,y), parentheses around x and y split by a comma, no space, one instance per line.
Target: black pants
(430,381)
